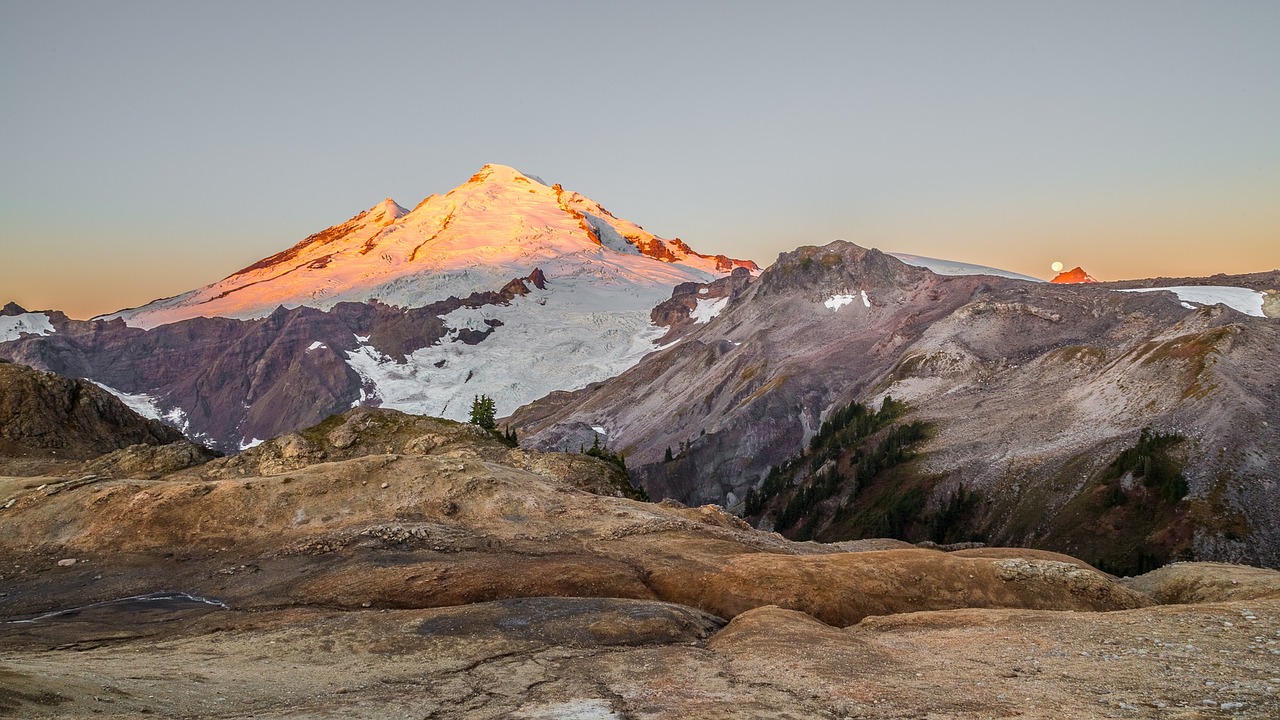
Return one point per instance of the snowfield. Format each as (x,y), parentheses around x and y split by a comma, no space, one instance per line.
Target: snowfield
(708,309)
(141,403)
(1239,299)
(561,338)
(952,267)
(13,327)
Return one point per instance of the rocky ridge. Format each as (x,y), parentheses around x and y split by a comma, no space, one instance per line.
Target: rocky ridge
(1031,390)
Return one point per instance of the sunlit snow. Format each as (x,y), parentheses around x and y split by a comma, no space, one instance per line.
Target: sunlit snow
(316,345)
(12,327)
(245,445)
(1240,299)
(865,300)
(708,309)
(498,226)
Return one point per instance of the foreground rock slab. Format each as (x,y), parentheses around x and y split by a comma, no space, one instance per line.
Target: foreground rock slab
(600,658)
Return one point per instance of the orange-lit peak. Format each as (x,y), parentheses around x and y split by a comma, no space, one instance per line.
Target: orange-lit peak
(1073,276)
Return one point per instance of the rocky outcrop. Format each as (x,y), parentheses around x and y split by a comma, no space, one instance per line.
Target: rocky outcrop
(44,415)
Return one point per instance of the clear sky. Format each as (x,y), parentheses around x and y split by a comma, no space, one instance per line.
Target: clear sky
(152,147)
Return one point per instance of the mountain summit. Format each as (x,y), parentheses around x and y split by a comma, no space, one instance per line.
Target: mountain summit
(498,225)
(504,286)
(1073,276)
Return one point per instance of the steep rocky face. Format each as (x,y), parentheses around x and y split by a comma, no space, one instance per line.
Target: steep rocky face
(43,415)
(1031,390)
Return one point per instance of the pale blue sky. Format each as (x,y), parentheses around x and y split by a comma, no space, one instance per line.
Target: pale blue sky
(151,147)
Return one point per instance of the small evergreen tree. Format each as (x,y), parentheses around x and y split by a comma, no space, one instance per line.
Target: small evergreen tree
(483,411)
(668,458)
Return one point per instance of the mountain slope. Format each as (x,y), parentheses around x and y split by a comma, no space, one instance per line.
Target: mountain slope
(498,225)
(503,287)
(1032,390)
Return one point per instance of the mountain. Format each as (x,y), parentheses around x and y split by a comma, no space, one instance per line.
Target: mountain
(498,225)
(1073,276)
(504,286)
(1029,394)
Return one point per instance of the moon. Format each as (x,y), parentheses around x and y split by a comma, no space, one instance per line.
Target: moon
(1056,266)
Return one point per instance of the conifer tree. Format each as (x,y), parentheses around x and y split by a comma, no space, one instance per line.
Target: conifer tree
(483,411)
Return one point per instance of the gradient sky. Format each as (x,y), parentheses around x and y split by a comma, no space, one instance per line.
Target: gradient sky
(152,147)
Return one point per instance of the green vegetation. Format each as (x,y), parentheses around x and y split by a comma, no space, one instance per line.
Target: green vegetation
(482,412)
(604,453)
(1151,461)
(846,427)
(855,480)
(1118,524)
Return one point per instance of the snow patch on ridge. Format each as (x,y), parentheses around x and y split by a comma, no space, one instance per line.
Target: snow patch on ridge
(1240,299)
(835,302)
(13,327)
(953,267)
(708,309)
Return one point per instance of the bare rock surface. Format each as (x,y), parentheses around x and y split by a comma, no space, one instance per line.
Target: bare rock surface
(357,569)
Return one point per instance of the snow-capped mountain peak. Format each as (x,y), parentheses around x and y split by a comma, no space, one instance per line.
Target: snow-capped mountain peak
(386,212)
(500,224)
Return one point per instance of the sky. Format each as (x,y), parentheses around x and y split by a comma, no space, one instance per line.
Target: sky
(153,147)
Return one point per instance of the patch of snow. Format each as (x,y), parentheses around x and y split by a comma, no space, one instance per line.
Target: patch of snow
(865,300)
(13,327)
(708,309)
(1239,299)
(703,291)
(952,267)
(316,346)
(141,403)
(362,339)
(599,430)
(835,302)
(177,418)
(246,444)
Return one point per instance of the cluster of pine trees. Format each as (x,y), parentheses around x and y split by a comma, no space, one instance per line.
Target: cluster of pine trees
(1151,460)
(483,412)
(891,451)
(846,427)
